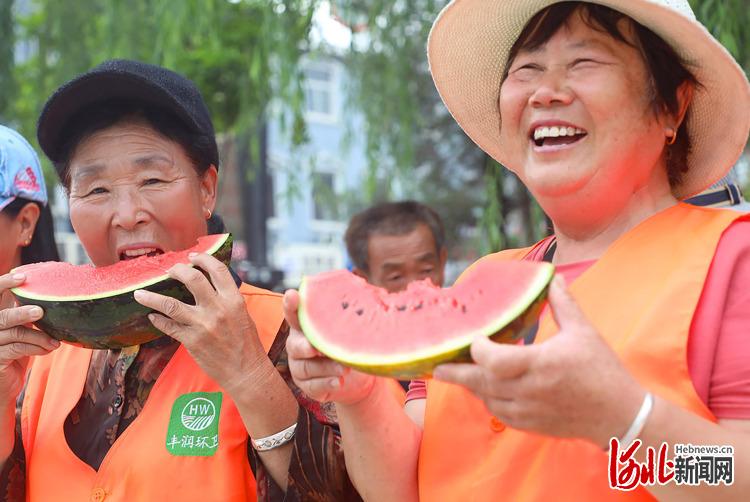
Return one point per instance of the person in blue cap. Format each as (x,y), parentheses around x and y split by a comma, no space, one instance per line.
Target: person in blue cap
(25,218)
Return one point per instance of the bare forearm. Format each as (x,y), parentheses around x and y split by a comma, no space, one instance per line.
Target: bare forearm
(673,425)
(267,406)
(381,446)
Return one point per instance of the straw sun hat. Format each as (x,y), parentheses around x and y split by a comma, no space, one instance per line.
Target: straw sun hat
(469,45)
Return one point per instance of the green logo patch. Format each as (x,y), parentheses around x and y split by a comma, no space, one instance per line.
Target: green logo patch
(194,425)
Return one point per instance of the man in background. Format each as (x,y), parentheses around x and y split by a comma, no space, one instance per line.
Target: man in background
(394,243)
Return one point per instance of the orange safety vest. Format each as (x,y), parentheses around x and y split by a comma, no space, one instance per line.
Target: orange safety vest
(138,466)
(641,296)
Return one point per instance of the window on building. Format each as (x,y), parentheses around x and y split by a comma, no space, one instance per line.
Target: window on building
(325,202)
(320,92)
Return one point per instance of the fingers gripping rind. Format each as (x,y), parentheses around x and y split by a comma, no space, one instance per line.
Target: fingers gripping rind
(12,317)
(195,282)
(166,305)
(7,282)
(502,360)
(298,347)
(166,325)
(218,273)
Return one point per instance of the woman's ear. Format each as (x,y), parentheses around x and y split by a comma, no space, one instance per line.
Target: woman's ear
(26,219)
(209,182)
(25,223)
(684,98)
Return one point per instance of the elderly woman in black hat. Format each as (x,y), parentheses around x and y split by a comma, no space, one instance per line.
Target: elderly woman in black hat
(611,112)
(136,152)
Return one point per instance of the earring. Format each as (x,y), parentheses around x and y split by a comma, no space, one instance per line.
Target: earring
(671,136)
(28,241)
(207,212)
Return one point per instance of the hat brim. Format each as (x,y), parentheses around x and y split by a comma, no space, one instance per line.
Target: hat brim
(93,88)
(6,202)
(469,45)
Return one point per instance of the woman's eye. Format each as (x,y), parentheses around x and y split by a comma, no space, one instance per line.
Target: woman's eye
(96,191)
(583,61)
(528,67)
(526,72)
(152,181)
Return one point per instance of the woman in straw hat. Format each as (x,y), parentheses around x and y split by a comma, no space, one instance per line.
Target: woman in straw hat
(610,112)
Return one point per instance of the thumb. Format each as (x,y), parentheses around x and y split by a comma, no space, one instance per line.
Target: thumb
(291,303)
(566,312)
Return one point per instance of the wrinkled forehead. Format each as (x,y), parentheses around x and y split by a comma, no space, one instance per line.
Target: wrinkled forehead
(131,122)
(418,240)
(131,142)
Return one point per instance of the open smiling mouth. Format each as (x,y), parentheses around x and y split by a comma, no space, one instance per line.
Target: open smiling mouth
(132,254)
(556,136)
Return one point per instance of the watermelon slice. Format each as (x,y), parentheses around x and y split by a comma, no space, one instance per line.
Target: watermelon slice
(94,307)
(406,334)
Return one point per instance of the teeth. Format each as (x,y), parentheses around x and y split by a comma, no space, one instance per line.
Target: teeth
(556,132)
(132,253)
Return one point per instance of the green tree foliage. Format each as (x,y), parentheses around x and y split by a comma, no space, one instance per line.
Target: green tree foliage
(729,22)
(411,137)
(241,53)
(414,143)
(7,46)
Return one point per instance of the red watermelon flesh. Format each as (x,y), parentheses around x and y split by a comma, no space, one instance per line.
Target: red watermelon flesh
(406,334)
(59,280)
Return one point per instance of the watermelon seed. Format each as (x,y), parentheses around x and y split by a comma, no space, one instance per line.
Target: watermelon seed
(360,311)
(418,306)
(463,308)
(344,305)
(401,308)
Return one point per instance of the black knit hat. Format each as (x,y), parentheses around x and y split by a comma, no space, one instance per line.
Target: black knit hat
(126,80)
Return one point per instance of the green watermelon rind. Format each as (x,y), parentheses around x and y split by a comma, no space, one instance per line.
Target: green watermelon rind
(30,295)
(114,321)
(509,327)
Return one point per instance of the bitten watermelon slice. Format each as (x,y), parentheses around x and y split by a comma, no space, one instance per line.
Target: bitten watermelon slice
(406,334)
(94,307)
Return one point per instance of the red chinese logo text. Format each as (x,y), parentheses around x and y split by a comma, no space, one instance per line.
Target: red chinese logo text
(626,473)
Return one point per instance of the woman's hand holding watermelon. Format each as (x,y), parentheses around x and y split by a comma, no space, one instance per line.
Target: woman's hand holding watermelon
(217,331)
(319,377)
(572,385)
(18,342)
